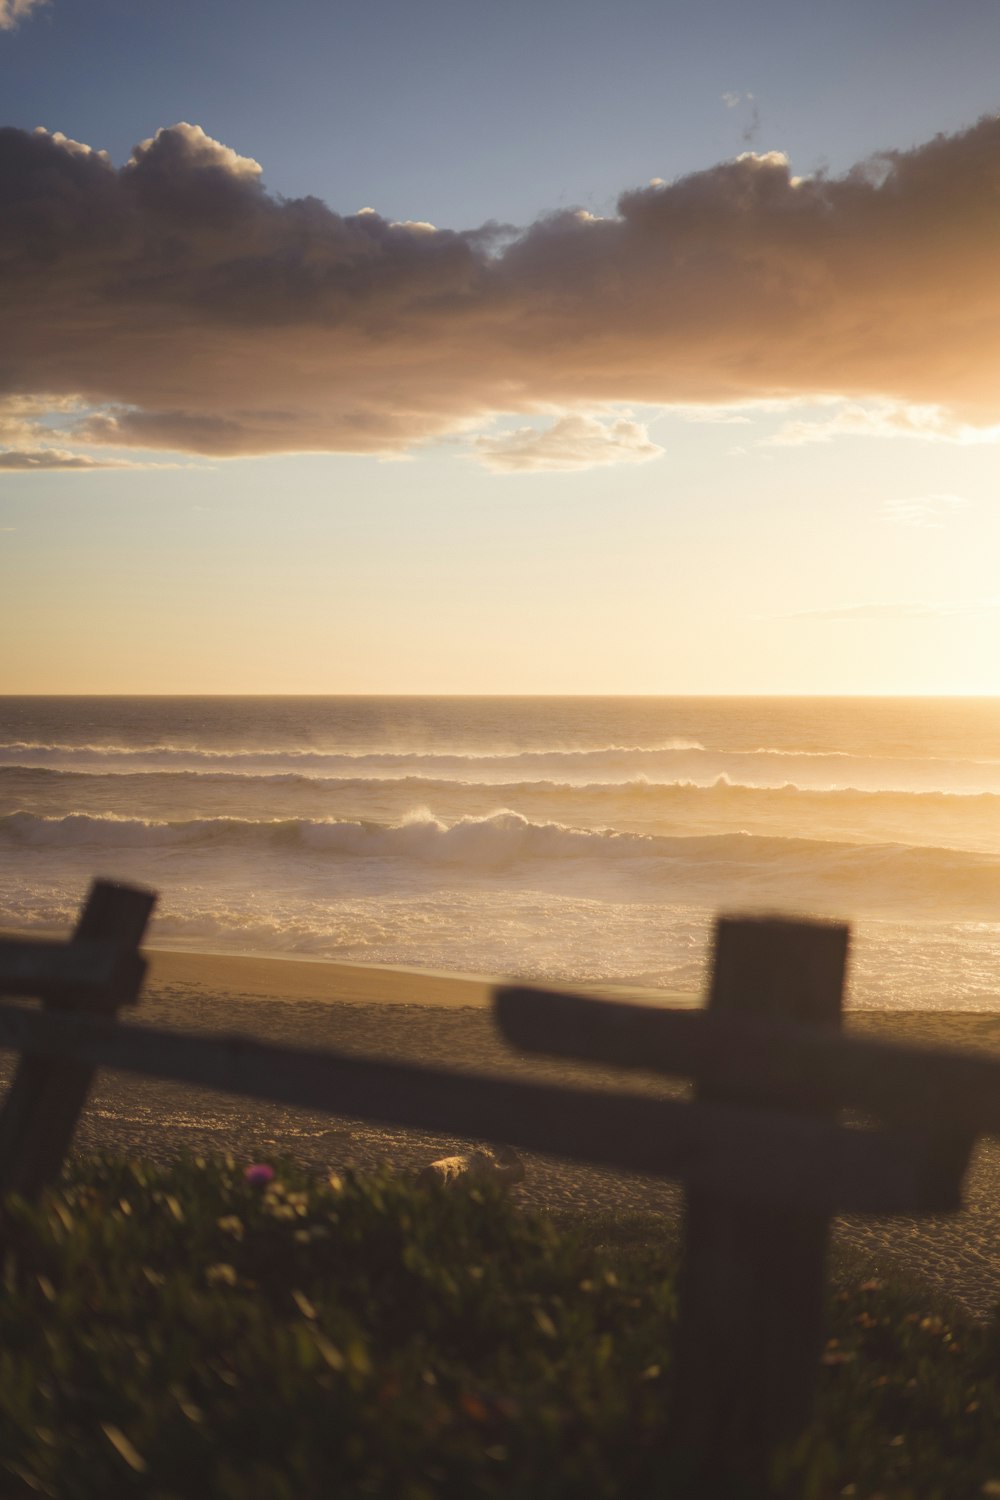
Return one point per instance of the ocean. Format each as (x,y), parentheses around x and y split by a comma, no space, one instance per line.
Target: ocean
(572,839)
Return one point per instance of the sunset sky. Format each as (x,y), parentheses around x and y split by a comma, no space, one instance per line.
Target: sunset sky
(558,347)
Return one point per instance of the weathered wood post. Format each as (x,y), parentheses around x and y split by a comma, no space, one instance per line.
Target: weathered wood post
(751,1289)
(45,1098)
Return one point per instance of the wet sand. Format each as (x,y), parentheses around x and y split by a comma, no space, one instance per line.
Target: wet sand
(445,1020)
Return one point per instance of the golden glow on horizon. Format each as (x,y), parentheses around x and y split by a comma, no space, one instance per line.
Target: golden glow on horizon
(855,567)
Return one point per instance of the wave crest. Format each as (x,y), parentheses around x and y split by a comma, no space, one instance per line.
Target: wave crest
(671,762)
(504,837)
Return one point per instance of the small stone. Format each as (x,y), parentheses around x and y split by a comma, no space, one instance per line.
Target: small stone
(484,1163)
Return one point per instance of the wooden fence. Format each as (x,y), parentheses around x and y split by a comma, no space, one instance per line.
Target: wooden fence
(761,1151)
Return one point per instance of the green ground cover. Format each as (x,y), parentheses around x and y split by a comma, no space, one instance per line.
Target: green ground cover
(180,1332)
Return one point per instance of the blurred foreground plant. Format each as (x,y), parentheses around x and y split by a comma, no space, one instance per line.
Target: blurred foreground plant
(198,1331)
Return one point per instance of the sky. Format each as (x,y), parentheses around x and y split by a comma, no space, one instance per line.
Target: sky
(466,348)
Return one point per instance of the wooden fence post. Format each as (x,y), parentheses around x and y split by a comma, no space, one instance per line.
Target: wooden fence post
(45,1098)
(752,1279)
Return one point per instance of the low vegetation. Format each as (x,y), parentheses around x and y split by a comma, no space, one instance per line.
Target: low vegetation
(184,1331)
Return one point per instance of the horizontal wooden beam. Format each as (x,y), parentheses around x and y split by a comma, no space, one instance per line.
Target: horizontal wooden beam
(751,1154)
(66,972)
(948,1088)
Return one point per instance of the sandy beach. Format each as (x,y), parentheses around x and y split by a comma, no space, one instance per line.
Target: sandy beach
(445,1020)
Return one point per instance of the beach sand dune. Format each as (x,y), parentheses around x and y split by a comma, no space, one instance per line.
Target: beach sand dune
(445,1020)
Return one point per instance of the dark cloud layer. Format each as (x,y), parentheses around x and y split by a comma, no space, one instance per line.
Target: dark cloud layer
(192,311)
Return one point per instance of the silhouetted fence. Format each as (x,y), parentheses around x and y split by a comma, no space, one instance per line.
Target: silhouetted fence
(763,1156)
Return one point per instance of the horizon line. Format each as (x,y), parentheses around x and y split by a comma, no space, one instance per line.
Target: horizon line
(763,696)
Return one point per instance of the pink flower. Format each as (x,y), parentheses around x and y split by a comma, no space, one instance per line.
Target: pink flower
(258,1173)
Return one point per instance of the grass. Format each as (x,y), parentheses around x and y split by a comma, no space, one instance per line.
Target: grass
(178,1332)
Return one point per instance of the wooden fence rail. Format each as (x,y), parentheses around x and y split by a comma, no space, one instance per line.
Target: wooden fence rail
(892,1080)
(763,1156)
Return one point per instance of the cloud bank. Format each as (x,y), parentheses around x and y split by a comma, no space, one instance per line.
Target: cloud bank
(190,310)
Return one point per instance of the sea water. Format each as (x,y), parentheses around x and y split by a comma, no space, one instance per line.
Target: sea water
(572,839)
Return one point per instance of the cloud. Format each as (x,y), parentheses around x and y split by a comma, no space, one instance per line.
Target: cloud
(882,419)
(925,511)
(26,439)
(31,460)
(12,12)
(188,309)
(571,442)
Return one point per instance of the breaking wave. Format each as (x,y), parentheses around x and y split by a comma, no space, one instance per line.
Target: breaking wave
(503,836)
(770,867)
